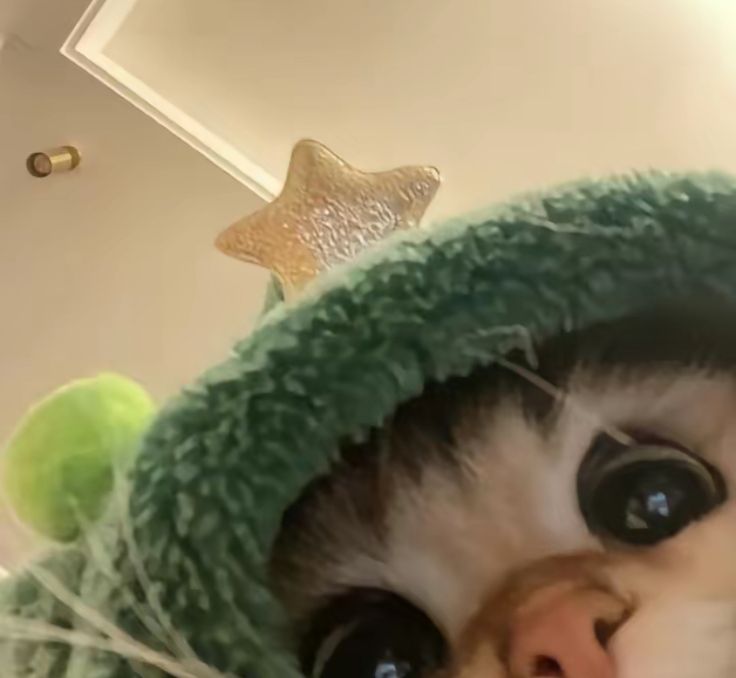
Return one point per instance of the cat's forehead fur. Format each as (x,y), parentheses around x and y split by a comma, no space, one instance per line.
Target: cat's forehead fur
(447,508)
(453,541)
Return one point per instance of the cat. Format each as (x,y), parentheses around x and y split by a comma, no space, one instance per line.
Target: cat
(565,514)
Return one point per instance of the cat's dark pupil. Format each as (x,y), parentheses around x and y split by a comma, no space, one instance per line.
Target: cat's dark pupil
(656,501)
(649,502)
(384,648)
(380,636)
(646,501)
(370,654)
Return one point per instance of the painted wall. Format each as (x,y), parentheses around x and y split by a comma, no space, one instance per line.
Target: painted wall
(110,267)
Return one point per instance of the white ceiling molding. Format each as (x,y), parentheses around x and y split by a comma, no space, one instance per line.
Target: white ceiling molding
(85,47)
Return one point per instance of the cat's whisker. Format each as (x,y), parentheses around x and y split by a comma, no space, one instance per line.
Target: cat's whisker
(156,623)
(103,625)
(33,630)
(561,396)
(105,567)
(121,493)
(129,599)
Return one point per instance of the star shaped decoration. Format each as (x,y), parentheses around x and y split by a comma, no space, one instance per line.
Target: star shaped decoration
(326,214)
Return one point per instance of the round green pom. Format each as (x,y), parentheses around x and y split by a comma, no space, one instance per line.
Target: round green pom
(61,462)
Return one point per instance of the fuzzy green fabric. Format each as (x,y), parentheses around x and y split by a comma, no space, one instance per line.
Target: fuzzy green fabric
(58,468)
(225,458)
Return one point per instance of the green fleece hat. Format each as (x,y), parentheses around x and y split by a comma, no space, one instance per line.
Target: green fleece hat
(224,459)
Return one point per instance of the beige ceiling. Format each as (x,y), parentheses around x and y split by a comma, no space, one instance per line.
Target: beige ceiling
(502,95)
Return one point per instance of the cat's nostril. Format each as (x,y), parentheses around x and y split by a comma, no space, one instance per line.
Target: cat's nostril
(605,628)
(546,667)
(562,632)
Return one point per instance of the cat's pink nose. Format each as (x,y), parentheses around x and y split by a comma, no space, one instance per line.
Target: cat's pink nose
(563,632)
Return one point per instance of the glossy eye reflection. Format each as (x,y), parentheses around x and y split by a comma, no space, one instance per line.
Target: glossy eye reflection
(371,634)
(644,493)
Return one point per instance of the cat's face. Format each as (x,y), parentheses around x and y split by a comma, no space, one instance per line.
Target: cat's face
(571,518)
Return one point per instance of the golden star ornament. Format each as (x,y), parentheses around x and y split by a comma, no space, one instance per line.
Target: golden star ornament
(326,214)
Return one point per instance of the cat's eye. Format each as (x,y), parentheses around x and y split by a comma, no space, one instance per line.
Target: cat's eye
(643,493)
(370,633)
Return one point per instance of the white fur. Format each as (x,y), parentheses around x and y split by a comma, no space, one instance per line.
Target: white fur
(451,542)
(678,639)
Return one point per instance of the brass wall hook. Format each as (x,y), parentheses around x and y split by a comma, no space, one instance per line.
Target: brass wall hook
(43,163)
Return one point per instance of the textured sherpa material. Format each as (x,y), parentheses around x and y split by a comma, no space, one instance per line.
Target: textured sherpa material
(224,459)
